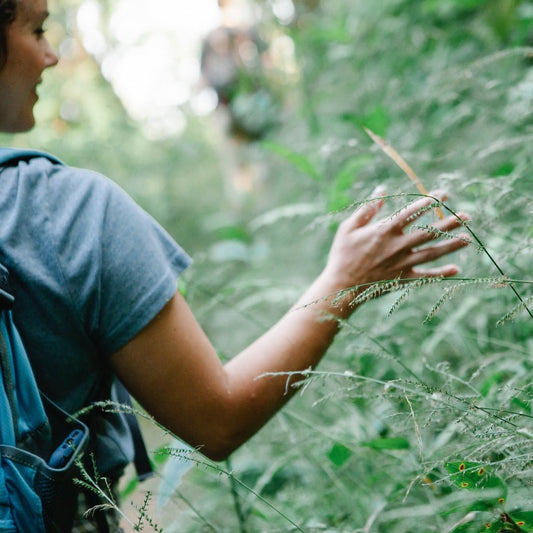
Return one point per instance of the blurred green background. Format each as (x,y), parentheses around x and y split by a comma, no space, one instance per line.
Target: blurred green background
(254,187)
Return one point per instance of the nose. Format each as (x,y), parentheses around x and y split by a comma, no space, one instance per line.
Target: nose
(51,58)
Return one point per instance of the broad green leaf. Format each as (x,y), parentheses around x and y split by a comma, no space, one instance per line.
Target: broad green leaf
(173,471)
(517,522)
(299,161)
(377,121)
(504,169)
(523,519)
(339,198)
(234,232)
(521,404)
(339,454)
(475,476)
(393,443)
(477,527)
(493,379)
(130,487)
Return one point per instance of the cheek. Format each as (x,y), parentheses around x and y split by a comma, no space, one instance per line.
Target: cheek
(25,58)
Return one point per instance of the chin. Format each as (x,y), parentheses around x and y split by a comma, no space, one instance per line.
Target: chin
(18,126)
(28,127)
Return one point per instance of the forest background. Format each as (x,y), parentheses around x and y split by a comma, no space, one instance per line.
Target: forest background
(420,417)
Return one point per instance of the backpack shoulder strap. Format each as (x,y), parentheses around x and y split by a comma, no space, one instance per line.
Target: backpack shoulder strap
(11,156)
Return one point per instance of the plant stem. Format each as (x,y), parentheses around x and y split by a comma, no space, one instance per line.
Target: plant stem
(236,500)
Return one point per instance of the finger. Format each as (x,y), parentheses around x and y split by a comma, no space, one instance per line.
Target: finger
(431,253)
(416,209)
(445,271)
(365,213)
(423,235)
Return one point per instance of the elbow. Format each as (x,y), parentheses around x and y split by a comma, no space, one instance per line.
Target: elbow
(220,443)
(218,430)
(219,448)
(216,454)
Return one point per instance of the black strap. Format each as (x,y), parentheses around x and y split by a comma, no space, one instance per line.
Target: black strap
(6,302)
(9,385)
(6,298)
(142,463)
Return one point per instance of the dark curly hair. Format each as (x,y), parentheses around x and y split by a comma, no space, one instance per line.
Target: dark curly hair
(8,12)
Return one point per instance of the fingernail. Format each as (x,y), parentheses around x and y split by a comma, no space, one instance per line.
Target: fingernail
(380,190)
(465,238)
(439,193)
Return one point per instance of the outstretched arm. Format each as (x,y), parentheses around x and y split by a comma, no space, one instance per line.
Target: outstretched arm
(172,369)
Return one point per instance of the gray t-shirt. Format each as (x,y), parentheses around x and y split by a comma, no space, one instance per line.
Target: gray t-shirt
(89,269)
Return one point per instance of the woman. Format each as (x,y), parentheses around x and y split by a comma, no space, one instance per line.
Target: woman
(95,285)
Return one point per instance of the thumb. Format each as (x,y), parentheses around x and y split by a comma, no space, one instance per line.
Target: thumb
(365,213)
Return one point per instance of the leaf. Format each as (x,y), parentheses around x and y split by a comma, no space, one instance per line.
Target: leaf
(339,454)
(494,379)
(392,443)
(174,470)
(233,232)
(516,522)
(521,404)
(338,197)
(504,169)
(130,487)
(475,476)
(523,519)
(377,120)
(489,527)
(297,160)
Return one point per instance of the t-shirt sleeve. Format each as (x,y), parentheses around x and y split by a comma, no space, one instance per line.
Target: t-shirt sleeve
(120,266)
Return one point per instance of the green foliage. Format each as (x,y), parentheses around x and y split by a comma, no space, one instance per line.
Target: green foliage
(339,454)
(302,163)
(434,374)
(428,377)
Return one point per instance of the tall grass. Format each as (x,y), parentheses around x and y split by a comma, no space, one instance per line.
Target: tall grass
(431,383)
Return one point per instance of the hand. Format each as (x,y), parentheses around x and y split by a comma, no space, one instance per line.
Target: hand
(176,374)
(364,253)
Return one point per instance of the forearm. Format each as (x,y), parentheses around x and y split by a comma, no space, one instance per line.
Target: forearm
(297,342)
(175,373)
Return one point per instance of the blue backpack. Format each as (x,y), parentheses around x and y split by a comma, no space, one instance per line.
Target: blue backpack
(39,443)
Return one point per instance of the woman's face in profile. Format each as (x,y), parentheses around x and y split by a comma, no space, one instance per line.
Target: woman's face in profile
(28,55)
